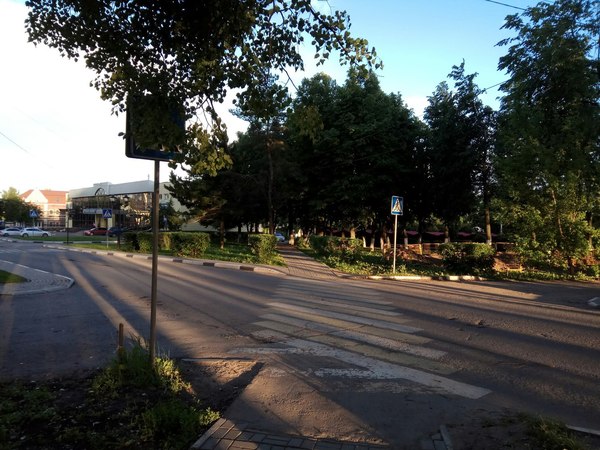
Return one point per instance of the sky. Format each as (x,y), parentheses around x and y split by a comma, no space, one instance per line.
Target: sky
(56,133)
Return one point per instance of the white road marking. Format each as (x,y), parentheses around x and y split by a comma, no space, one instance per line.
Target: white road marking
(300,292)
(330,303)
(594,302)
(278,323)
(348,317)
(372,368)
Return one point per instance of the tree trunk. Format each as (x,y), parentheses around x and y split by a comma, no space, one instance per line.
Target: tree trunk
(270,188)
(488,226)
(222,233)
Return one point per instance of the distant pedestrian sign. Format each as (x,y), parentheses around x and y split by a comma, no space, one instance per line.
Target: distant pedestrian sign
(33,213)
(397,205)
(107,213)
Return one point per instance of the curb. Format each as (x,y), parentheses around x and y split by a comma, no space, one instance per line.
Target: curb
(50,282)
(195,262)
(426,278)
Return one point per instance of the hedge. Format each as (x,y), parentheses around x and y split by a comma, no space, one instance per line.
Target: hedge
(263,246)
(182,244)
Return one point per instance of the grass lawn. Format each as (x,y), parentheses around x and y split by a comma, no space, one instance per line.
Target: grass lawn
(7,277)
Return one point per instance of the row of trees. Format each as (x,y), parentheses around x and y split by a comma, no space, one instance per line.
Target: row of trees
(332,156)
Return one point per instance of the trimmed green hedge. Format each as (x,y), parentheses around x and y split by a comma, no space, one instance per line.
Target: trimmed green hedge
(182,244)
(191,245)
(467,258)
(263,246)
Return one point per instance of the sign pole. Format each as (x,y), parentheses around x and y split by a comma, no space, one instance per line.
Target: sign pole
(397,210)
(395,234)
(155,226)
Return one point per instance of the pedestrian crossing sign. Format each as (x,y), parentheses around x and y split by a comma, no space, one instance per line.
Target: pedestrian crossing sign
(107,213)
(397,205)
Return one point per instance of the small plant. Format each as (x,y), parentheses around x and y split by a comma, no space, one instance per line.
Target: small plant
(133,368)
(551,435)
(171,422)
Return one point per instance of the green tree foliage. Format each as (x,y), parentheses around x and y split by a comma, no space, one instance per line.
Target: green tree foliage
(14,209)
(188,54)
(264,107)
(549,156)
(352,146)
(460,147)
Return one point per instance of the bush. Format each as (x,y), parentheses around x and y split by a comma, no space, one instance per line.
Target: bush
(347,250)
(129,241)
(191,245)
(467,258)
(263,246)
(144,240)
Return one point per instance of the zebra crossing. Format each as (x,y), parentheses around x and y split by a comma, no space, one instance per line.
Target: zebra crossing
(364,335)
(7,251)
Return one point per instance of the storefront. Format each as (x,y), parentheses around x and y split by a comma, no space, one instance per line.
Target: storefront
(125,205)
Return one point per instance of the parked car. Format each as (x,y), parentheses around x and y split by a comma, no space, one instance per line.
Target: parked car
(280,237)
(13,231)
(116,231)
(34,231)
(96,231)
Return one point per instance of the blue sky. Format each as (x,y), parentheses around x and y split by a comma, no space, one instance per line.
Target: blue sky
(56,133)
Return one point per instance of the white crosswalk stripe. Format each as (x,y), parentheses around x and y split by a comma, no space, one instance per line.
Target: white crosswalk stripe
(354,326)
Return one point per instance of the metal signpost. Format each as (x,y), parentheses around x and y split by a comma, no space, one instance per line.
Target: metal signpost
(397,210)
(33,215)
(133,150)
(107,214)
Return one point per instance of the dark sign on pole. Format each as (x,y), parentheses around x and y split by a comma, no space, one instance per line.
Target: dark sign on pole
(157,119)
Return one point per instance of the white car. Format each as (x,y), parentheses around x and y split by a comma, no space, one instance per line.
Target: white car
(280,237)
(34,231)
(12,231)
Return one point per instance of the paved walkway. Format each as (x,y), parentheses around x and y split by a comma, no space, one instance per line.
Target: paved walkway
(224,434)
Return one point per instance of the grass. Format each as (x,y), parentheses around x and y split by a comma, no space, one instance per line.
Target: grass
(7,277)
(130,404)
(550,434)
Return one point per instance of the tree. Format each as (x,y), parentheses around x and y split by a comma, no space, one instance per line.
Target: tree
(549,158)
(264,107)
(461,145)
(15,209)
(188,53)
(451,157)
(352,145)
(479,124)
(311,136)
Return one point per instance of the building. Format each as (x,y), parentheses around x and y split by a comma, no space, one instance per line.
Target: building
(52,205)
(106,204)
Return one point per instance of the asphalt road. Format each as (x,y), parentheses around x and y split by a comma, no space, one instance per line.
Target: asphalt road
(343,358)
